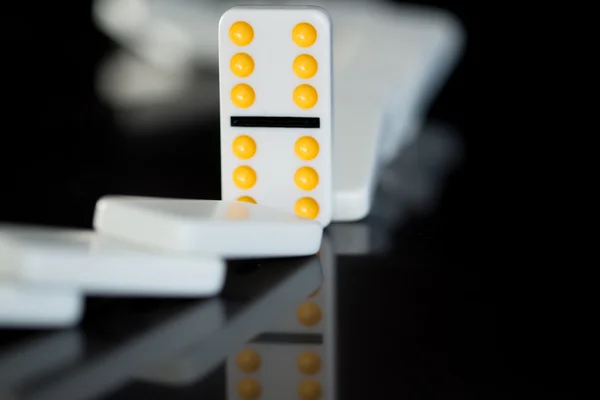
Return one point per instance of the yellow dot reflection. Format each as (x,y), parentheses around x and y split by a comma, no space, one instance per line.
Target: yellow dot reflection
(309,362)
(305,66)
(305,96)
(249,389)
(242,65)
(248,360)
(242,95)
(241,33)
(238,212)
(309,389)
(246,199)
(307,207)
(306,178)
(244,177)
(244,147)
(306,148)
(309,313)
(304,34)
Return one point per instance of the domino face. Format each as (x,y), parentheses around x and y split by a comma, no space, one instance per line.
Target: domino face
(275,77)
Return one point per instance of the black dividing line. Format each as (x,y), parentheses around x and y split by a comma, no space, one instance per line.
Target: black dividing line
(312,338)
(276,122)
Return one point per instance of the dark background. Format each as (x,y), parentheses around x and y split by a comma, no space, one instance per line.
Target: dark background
(466,323)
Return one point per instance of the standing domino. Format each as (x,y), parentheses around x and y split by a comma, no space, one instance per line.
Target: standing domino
(275,77)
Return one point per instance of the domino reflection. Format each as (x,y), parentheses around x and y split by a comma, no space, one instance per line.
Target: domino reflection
(123,346)
(296,356)
(104,353)
(37,356)
(270,292)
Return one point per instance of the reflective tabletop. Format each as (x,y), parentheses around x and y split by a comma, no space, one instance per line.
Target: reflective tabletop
(383,311)
(307,328)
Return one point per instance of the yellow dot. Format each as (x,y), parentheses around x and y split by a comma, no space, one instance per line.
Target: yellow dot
(306,148)
(248,360)
(306,178)
(304,34)
(241,33)
(244,177)
(246,199)
(309,389)
(307,207)
(244,147)
(305,66)
(241,65)
(249,389)
(309,313)
(242,95)
(309,362)
(305,96)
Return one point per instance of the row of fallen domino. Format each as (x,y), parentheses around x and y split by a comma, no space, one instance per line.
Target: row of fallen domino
(140,247)
(276,102)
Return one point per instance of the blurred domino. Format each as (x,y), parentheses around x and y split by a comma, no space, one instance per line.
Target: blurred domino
(25,307)
(227,228)
(83,260)
(408,54)
(275,75)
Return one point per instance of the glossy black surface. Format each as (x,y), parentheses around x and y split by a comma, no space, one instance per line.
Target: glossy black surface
(411,317)
(120,340)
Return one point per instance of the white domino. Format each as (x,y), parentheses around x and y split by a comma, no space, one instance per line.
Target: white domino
(229,229)
(382,97)
(25,307)
(275,77)
(85,261)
